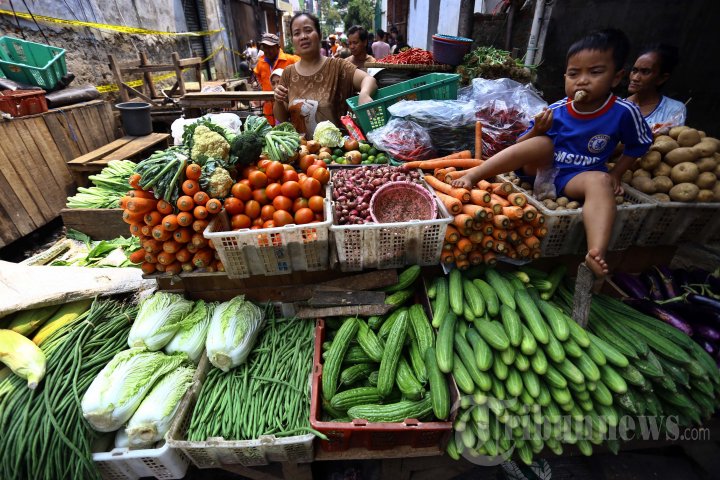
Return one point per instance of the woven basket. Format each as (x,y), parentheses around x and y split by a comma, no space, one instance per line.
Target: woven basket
(404,193)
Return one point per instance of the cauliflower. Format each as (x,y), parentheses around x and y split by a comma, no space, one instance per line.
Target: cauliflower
(209,144)
(219,183)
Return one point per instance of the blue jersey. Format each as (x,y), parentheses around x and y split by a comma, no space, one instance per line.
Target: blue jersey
(585,141)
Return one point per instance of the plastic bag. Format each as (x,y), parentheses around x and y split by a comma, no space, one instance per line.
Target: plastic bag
(544,186)
(403,140)
(227,120)
(450,123)
(505,108)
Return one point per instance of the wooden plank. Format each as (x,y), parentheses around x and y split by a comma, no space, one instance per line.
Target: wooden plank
(243,95)
(133,148)
(93,115)
(52,155)
(75,122)
(399,451)
(345,297)
(19,176)
(88,128)
(13,198)
(57,125)
(98,153)
(99,224)
(366,281)
(117,76)
(350,310)
(189,62)
(14,221)
(108,121)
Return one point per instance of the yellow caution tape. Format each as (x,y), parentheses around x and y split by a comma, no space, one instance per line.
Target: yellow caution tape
(105,26)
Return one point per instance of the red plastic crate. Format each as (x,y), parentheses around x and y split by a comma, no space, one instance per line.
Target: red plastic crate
(373,436)
(20,103)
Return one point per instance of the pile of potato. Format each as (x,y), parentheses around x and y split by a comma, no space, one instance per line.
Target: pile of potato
(681,167)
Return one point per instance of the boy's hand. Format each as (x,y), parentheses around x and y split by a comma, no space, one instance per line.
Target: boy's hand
(543,122)
(616,184)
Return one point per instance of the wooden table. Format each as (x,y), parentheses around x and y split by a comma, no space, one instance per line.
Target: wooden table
(125,148)
(194,102)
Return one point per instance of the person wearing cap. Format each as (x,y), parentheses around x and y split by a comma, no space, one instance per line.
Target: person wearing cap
(333,45)
(273,58)
(357,41)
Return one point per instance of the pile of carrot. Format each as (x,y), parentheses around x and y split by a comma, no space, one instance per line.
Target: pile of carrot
(490,220)
(171,236)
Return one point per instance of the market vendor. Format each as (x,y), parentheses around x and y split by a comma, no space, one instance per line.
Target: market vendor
(273,58)
(316,88)
(649,74)
(357,40)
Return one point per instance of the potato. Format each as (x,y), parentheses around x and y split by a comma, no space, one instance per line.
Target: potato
(663,170)
(663,138)
(650,160)
(706,180)
(627,176)
(663,197)
(526,186)
(644,184)
(663,184)
(716,192)
(688,138)
(619,200)
(550,204)
(641,173)
(713,140)
(664,146)
(686,172)
(717,170)
(705,196)
(562,201)
(572,205)
(705,148)
(680,155)
(702,133)
(684,192)
(706,164)
(675,131)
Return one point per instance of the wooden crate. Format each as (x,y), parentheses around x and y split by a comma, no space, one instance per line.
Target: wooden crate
(34,152)
(99,224)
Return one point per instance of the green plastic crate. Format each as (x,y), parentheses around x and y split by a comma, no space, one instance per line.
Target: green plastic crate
(32,63)
(434,86)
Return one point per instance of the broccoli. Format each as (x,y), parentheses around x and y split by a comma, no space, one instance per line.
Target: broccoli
(247,147)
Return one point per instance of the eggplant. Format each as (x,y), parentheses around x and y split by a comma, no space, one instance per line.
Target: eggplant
(707,333)
(695,313)
(630,284)
(704,300)
(710,348)
(654,310)
(667,281)
(713,282)
(681,277)
(655,290)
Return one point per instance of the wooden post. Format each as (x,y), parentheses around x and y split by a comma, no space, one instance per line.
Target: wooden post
(178,73)
(147,77)
(118,78)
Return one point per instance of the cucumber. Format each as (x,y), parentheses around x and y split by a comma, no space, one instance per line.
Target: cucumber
(502,288)
(511,323)
(455,289)
(521,362)
(539,362)
(571,348)
(406,381)
(500,370)
(392,412)
(612,379)
(492,302)
(462,378)
(588,367)
(368,341)
(465,353)
(570,371)
(632,375)
(405,279)
(391,354)
(532,383)
(474,298)
(444,343)
(399,298)
(482,351)
(356,396)
(554,349)
(417,363)
(612,355)
(508,356)
(513,383)
(468,313)
(528,346)
(442,305)
(531,314)
(421,328)
(494,334)
(554,378)
(556,320)
(554,278)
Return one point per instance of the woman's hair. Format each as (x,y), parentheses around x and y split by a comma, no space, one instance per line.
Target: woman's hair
(668,55)
(315,20)
(604,40)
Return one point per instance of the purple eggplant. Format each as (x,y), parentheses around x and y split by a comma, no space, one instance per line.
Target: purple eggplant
(695,313)
(654,310)
(652,282)
(694,298)
(710,348)
(667,281)
(707,333)
(681,277)
(630,284)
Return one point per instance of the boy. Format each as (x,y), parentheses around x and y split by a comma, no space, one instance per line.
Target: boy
(576,136)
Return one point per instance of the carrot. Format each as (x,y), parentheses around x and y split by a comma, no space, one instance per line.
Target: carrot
(183,235)
(536,254)
(448,246)
(495,198)
(135,229)
(518,199)
(123,202)
(523,251)
(487,242)
(151,257)
(532,241)
(185,219)
(453,205)
(152,245)
(484,185)
(159,233)
(153,218)
(490,258)
(137,256)
(500,234)
(131,217)
(463,264)
(202,258)
(140,194)
(511,253)
(174,268)
(478,139)
(529,213)
(462,221)
(465,245)
(190,187)
(477,237)
(540,231)
(538,221)
(501,221)
(487,228)
(146,230)
(193,171)
(165,258)
(490,213)
(450,176)
(480,197)
(513,213)
(164,207)
(459,254)
(440,173)
(451,234)
(475,211)
(183,255)
(200,212)
(526,231)
(213,205)
(134,180)
(159,267)
(147,268)
(219,266)
(513,237)
(185,203)
(188,267)
(475,258)
(500,247)
(141,205)
(457,160)
(201,198)
(199,225)
(460,193)
(198,240)
(170,222)
(192,248)
(447,258)
(502,188)
(171,246)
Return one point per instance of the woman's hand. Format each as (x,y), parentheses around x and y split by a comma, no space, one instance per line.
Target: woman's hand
(364,98)
(281,94)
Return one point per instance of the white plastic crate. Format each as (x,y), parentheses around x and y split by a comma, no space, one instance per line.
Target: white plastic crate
(629,219)
(217,451)
(705,226)
(271,251)
(390,245)
(122,463)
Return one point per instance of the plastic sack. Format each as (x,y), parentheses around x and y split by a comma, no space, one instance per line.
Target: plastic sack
(403,140)
(505,108)
(227,120)
(450,123)
(544,186)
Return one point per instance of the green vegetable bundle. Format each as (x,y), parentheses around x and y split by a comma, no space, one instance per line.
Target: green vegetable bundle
(492,63)
(282,142)
(163,173)
(109,186)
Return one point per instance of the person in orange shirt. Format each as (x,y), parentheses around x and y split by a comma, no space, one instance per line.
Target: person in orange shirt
(273,58)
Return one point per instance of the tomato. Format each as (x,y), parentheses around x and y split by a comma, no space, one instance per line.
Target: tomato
(291,189)
(240,221)
(319,217)
(274,170)
(282,202)
(290,176)
(246,171)
(252,209)
(300,203)
(257,179)
(266,212)
(316,203)
(269,224)
(304,215)
(282,217)
(287,166)
(311,169)
(310,187)
(260,196)
(258,223)
(234,206)
(306,161)
(273,190)
(245,181)
(241,191)
(264,163)
(321,174)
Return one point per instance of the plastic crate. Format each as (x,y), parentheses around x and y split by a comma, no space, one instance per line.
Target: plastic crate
(389,245)
(705,226)
(32,63)
(271,251)
(434,86)
(20,103)
(372,436)
(121,463)
(629,219)
(217,451)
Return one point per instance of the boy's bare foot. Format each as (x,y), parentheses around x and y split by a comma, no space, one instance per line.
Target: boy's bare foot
(462,182)
(596,263)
